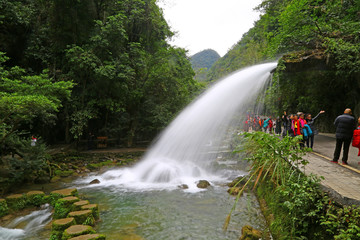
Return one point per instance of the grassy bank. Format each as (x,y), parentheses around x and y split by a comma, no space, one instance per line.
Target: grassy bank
(296,207)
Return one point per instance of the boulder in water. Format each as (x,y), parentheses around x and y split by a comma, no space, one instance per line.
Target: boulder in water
(203,184)
(183,186)
(95,181)
(250,233)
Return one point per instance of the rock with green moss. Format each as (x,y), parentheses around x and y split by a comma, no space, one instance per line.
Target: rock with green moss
(57,194)
(203,184)
(77,205)
(63,206)
(16,201)
(77,230)
(36,198)
(65,173)
(83,217)
(3,207)
(61,224)
(250,233)
(90,237)
(94,209)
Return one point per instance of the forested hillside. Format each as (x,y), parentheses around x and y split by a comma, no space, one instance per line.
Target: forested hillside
(202,62)
(121,78)
(321,43)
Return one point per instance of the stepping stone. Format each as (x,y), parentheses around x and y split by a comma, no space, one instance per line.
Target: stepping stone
(36,198)
(62,224)
(94,209)
(55,195)
(83,217)
(63,206)
(90,237)
(77,230)
(77,205)
(16,201)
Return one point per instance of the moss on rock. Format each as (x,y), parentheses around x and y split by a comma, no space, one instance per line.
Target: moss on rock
(3,207)
(63,206)
(250,233)
(36,198)
(57,194)
(203,184)
(77,230)
(77,205)
(94,209)
(16,201)
(83,217)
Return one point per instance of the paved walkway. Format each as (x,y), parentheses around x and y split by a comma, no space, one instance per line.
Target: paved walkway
(340,181)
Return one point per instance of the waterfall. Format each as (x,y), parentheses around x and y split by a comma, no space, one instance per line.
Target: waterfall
(184,150)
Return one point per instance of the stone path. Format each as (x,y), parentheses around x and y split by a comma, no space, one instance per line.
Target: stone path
(340,181)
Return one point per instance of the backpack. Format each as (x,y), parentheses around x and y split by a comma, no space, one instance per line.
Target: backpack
(266,123)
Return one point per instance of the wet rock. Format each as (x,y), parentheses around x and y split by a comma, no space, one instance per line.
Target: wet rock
(95,181)
(203,184)
(250,233)
(238,182)
(57,194)
(234,190)
(77,230)
(183,186)
(55,179)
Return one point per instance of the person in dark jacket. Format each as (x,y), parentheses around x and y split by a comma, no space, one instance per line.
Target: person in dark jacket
(310,121)
(345,125)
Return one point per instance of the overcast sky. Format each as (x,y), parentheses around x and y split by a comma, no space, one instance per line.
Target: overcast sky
(204,24)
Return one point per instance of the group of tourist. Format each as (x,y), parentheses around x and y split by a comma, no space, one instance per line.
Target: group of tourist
(303,124)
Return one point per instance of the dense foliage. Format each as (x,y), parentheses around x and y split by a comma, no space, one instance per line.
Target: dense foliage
(300,209)
(320,64)
(202,61)
(129,82)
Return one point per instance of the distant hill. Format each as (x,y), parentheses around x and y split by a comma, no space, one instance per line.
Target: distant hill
(202,62)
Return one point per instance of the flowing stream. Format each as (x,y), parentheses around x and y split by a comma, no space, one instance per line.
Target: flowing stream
(158,198)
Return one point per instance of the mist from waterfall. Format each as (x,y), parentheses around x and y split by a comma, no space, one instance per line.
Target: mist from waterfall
(184,151)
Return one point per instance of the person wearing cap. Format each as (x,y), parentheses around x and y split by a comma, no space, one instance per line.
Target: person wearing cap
(345,125)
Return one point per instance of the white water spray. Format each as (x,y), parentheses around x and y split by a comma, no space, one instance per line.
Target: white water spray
(182,153)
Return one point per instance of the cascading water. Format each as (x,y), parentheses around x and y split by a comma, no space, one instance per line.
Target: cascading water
(26,227)
(185,150)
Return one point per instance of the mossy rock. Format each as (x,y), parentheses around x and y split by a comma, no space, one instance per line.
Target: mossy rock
(57,194)
(4,210)
(250,233)
(16,201)
(63,206)
(55,179)
(83,217)
(90,237)
(203,184)
(77,205)
(65,173)
(94,209)
(60,225)
(234,190)
(77,230)
(36,198)
(239,181)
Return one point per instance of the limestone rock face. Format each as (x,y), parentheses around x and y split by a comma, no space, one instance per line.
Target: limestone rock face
(203,184)
(249,233)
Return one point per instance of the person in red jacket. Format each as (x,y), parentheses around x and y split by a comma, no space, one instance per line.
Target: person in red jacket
(356,137)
